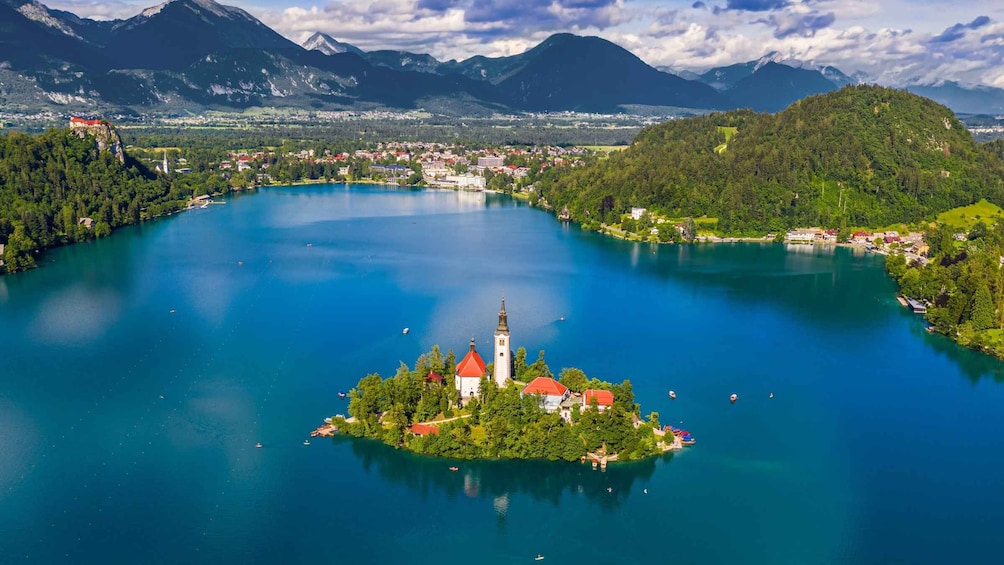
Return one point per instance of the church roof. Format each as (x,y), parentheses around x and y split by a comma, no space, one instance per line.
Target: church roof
(546,387)
(472,365)
(603,397)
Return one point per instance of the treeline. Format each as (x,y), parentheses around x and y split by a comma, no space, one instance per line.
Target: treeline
(963,283)
(860,156)
(49,182)
(498,424)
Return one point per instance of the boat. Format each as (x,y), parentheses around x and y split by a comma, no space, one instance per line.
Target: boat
(405,331)
(306,442)
(672,394)
(733,398)
(561,319)
(772,395)
(688,440)
(454,468)
(341,394)
(204,206)
(539,557)
(258,445)
(327,420)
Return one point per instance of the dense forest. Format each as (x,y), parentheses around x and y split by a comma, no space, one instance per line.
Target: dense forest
(860,156)
(50,182)
(963,283)
(499,424)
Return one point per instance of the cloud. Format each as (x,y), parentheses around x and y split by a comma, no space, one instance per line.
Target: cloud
(805,25)
(756,5)
(957,31)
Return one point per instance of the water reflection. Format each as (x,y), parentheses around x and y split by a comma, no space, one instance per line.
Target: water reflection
(498,481)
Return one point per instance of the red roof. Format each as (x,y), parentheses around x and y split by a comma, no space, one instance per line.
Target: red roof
(75,120)
(603,397)
(546,387)
(471,366)
(424,429)
(861,234)
(433,377)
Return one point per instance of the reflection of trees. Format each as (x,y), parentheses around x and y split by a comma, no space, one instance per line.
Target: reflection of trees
(498,480)
(973,364)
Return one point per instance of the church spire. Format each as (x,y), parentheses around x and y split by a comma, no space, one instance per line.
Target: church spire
(503,319)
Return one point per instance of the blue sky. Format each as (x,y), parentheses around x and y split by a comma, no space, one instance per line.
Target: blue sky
(894,42)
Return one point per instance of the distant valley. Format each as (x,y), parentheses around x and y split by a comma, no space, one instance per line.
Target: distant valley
(54,60)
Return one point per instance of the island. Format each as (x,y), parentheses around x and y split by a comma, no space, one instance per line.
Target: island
(507,409)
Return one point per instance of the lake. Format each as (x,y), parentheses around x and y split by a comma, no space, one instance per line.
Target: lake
(138,372)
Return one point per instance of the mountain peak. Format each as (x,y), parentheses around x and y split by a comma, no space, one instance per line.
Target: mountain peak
(328,45)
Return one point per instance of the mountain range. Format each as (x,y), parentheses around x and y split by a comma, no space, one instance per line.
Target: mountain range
(189,55)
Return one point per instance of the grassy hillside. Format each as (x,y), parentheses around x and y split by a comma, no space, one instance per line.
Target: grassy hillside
(860,156)
(964,218)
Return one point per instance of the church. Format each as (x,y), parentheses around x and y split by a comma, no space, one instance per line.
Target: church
(472,367)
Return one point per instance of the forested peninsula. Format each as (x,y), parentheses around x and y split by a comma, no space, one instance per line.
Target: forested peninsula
(859,156)
(419,409)
(66,186)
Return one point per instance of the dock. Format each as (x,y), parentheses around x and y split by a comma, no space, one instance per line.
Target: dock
(327,430)
(917,306)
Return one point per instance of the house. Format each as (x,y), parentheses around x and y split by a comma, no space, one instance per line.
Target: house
(892,239)
(433,377)
(88,223)
(424,429)
(551,392)
(802,236)
(470,369)
(604,399)
(637,213)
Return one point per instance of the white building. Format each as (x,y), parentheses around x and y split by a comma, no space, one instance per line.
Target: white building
(467,181)
(637,213)
(490,162)
(551,392)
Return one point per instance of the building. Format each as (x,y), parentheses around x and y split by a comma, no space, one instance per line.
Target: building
(503,354)
(88,223)
(76,122)
(490,162)
(604,399)
(637,213)
(467,181)
(551,392)
(470,369)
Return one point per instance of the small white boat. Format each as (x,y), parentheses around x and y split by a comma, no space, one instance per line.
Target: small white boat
(733,398)
(772,395)
(327,420)
(306,442)
(539,557)
(405,331)
(672,394)
(204,206)
(258,445)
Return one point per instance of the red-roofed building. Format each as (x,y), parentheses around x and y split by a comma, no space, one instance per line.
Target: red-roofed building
(604,399)
(551,392)
(424,429)
(78,122)
(470,369)
(433,377)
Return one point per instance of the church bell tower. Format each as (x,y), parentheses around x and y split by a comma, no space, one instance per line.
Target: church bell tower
(503,354)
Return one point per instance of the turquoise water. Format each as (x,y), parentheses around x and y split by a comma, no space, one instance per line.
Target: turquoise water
(127,431)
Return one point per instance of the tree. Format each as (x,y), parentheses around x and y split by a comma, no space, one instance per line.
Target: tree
(983,309)
(519,363)
(574,379)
